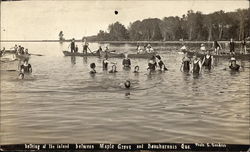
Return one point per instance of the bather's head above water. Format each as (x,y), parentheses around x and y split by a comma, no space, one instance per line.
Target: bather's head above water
(20,76)
(136,70)
(127,84)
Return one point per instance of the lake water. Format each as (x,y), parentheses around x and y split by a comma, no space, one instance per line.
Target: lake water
(61,103)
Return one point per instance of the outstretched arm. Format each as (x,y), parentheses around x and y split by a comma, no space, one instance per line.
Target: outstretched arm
(181,67)
(200,66)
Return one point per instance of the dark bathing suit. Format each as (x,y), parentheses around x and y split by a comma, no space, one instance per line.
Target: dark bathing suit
(126,63)
(72,45)
(236,68)
(231,44)
(160,63)
(216,45)
(85,48)
(151,66)
(104,65)
(26,68)
(196,68)
(186,65)
(207,62)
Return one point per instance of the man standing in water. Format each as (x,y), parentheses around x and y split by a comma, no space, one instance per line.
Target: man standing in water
(126,62)
(72,46)
(85,46)
(243,47)
(231,46)
(207,61)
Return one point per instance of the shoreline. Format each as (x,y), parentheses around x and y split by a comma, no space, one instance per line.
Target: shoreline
(126,42)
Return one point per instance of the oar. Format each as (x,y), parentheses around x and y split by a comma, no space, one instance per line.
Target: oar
(91,51)
(36,54)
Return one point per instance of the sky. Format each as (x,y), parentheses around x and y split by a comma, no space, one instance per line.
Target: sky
(43,20)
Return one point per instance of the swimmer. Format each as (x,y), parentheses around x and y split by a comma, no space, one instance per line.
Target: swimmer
(92,66)
(136,70)
(196,65)
(185,65)
(234,66)
(26,67)
(126,62)
(161,64)
(126,84)
(20,76)
(113,70)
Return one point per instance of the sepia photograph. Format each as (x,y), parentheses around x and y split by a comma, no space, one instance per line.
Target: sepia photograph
(124,75)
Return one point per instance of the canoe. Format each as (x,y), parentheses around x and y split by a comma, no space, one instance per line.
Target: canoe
(237,56)
(111,55)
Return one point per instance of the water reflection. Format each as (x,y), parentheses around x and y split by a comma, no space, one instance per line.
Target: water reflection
(85,60)
(73,60)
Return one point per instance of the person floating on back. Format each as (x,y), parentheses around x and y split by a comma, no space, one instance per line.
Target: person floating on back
(125,85)
(196,65)
(207,61)
(26,67)
(136,69)
(113,70)
(231,46)
(186,61)
(92,66)
(234,66)
(126,62)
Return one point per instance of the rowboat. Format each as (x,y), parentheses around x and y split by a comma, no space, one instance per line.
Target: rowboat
(144,55)
(113,55)
(18,56)
(110,55)
(225,55)
(23,56)
(9,62)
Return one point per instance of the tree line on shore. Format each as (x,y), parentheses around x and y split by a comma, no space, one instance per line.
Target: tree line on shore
(193,26)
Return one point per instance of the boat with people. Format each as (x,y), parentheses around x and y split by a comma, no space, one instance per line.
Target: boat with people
(110,54)
(223,55)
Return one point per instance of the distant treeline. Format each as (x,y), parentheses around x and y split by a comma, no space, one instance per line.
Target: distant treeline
(191,26)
